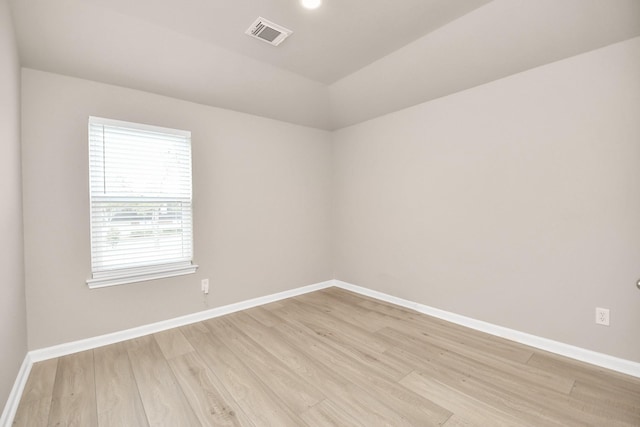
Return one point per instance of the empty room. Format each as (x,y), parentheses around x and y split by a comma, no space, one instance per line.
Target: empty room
(320,213)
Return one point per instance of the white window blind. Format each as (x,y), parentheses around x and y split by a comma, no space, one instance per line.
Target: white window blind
(140,191)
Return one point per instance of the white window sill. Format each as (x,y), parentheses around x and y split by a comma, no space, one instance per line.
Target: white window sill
(139,275)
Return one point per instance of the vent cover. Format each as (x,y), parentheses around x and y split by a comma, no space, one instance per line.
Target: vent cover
(268,31)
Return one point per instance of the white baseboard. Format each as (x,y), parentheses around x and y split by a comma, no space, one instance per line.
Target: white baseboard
(599,359)
(99,341)
(13,401)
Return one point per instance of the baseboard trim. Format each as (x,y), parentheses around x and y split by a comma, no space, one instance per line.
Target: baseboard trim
(592,357)
(10,408)
(127,334)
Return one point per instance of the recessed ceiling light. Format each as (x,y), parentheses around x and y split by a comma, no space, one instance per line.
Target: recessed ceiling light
(311,4)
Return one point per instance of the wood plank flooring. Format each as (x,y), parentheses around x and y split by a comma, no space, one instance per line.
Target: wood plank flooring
(329,358)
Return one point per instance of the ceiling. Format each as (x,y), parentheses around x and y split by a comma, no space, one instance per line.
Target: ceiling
(327,44)
(196,50)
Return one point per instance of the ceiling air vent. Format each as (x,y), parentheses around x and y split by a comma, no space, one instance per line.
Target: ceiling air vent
(268,31)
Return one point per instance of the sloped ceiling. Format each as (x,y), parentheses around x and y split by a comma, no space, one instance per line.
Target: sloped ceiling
(349,61)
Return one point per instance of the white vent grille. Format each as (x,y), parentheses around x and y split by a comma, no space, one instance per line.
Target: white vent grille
(267,31)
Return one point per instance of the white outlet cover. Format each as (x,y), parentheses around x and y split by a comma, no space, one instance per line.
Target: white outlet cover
(602,316)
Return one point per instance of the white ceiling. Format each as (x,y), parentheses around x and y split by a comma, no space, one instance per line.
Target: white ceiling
(327,44)
(320,76)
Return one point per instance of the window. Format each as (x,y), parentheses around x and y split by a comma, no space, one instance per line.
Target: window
(140,197)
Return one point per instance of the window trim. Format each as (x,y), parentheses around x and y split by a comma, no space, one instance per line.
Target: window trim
(100,279)
(140,274)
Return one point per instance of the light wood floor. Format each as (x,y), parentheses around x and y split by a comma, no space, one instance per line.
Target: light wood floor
(326,358)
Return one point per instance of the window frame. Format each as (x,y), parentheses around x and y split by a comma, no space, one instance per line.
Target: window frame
(111,276)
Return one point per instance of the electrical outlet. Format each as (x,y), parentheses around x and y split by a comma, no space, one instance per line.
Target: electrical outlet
(205,286)
(602,316)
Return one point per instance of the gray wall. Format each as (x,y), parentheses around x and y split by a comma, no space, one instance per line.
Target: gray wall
(516,202)
(13,317)
(261,223)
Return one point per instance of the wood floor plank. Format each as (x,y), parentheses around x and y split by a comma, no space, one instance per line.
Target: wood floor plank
(501,401)
(586,373)
(285,383)
(211,402)
(457,421)
(162,398)
(327,413)
(40,381)
(263,407)
(338,336)
(476,362)
(34,413)
(35,403)
(377,317)
(334,315)
(353,399)
(117,397)
(281,348)
(264,316)
(619,405)
(346,397)
(409,408)
(534,406)
(332,321)
(467,409)
(407,321)
(500,388)
(74,393)
(172,343)
(348,313)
